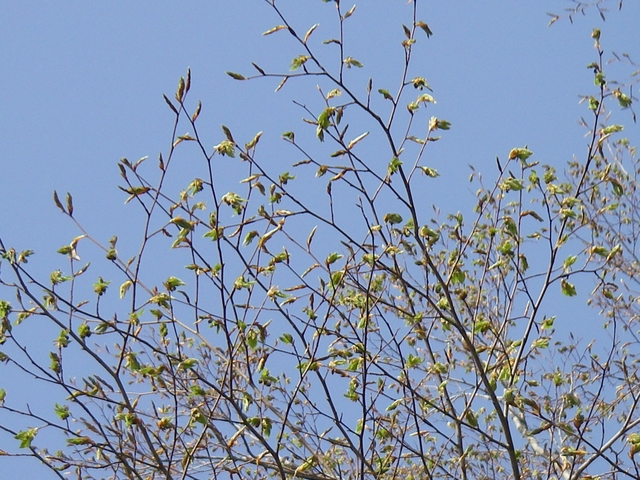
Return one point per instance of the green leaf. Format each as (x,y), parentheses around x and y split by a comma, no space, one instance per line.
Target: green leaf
(624,100)
(567,288)
(252,339)
(62,411)
(172,283)
(336,278)
(570,260)
(385,94)
(249,237)
(226,148)
(188,364)
(519,153)
(510,226)
(392,218)
(394,165)
(458,277)
(540,343)
(65,250)
(413,361)
(298,61)
(350,61)
(125,287)
(599,250)
(547,323)
(241,283)
(266,426)
(284,178)
(616,186)
(419,83)
(84,330)
(426,232)
(215,233)
(324,119)
(506,248)
(471,418)
(57,278)
(62,340)
(289,136)
(24,255)
(134,192)
(100,287)
(393,405)
(436,124)
(612,129)
(425,28)
(532,214)
(424,98)
(236,76)
(182,223)
(332,258)
(26,437)
(510,183)
(430,172)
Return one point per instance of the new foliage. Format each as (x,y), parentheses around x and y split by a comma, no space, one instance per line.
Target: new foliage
(323,335)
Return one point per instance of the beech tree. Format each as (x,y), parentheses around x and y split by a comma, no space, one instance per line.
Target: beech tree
(328,323)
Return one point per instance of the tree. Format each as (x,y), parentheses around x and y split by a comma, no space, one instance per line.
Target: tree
(329,325)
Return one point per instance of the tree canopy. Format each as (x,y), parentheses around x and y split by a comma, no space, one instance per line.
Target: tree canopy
(330,320)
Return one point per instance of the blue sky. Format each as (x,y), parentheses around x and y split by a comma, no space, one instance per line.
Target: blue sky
(82,87)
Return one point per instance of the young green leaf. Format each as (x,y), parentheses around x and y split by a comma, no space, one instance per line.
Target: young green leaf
(385,94)
(519,153)
(392,218)
(62,411)
(298,61)
(332,258)
(612,129)
(425,28)
(350,61)
(624,100)
(172,283)
(125,287)
(26,437)
(424,98)
(235,76)
(567,288)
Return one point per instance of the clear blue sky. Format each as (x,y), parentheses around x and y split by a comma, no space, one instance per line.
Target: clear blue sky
(82,86)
